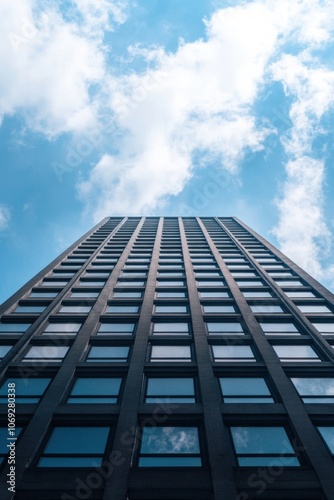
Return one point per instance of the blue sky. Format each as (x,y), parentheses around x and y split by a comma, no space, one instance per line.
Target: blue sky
(167,107)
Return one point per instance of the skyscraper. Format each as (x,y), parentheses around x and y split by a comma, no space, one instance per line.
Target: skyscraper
(168,359)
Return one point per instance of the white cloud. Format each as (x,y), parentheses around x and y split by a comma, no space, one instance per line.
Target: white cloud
(4,217)
(302,230)
(197,100)
(52,63)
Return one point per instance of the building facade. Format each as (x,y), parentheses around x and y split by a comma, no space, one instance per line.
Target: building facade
(165,358)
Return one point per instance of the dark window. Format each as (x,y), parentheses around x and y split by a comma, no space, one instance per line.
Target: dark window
(116,329)
(171,309)
(62,328)
(170,447)
(224,328)
(29,309)
(95,390)
(263,308)
(46,295)
(108,354)
(296,353)
(170,328)
(308,308)
(4,349)
(218,309)
(324,328)
(27,390)
(261,446)
(122,309)
(245,390)
(279,328)
(75,447)
(315,390)
(171,353)
(85,295)
(232,353)
(327,433)
(44,353)
(170,390)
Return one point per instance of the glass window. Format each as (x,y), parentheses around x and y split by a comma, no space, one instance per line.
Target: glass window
(91,283)
(62,274)
(170,328)
(130,283)
(130,274)
(95,390)
(234,261)
(256,446)
(201,260)
(170,447)
(14,328)
(273,266)
(224,328)
(108,354)
(122,309)
(170,266)
(96,275)
(248,283)
(296,353)
(170,283)
(208,274)
(171,295)
(289,283)
(245,390)
(210,283)
(44,353)
(29,309)
(232,353)
(116,328)
(75,309)
(170,390)
(308,308)
(218,309)
(279,328)
(327,434)
(75,447)
(127,295)
(266,308)
(4,449)
(238,266)
(282,274)
(85,295)
(299,294)
(256,294)
(324,328)
(170,274)
(4,349)
(136,266)
(27,390)
(170,353)
(211,295)
(171,309)
(54,283)
(246,274)
(45,295)
(315,389)
(62,328)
